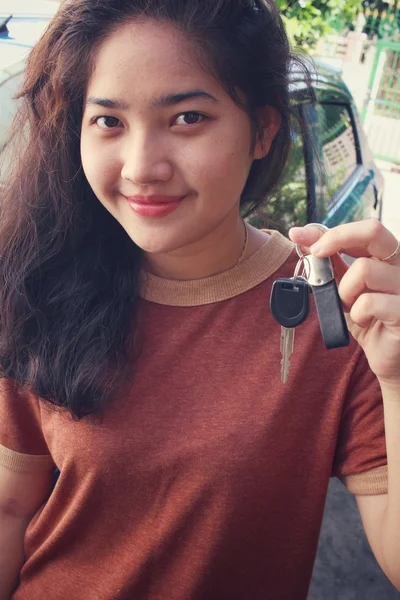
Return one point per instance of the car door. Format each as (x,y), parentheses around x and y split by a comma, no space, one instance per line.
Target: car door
(344,189)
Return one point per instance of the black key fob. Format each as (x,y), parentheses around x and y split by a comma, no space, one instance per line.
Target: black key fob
(290,301)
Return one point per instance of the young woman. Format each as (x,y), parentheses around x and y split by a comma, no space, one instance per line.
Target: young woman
(137,350)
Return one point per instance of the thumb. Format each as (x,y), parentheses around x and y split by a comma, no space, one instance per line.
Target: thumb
(306,237)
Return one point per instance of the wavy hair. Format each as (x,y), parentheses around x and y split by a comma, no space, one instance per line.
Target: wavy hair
(69,273)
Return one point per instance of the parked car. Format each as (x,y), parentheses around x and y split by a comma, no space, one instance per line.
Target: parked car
(330,178)
(22,22)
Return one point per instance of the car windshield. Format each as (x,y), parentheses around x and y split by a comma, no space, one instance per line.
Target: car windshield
(28,8)
(26,26)
(23,30)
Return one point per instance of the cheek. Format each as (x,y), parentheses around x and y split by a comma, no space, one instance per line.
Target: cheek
(225,162)
(100,166)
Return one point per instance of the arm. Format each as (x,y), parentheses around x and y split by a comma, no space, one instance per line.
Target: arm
(381,514)
(21,494)
(370,292)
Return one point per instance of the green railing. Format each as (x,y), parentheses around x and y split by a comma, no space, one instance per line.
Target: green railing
(384,82)
(381,114)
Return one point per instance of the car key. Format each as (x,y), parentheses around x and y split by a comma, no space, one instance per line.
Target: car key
(290,306)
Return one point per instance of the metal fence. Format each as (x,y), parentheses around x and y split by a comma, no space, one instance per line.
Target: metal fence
(381,114)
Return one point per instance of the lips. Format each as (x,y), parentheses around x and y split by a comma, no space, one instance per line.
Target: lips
(154,199)
(154,206)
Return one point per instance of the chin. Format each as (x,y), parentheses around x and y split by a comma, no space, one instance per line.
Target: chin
(158,235)
(153,242)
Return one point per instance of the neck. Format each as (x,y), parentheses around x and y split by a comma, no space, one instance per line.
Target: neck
(216,252)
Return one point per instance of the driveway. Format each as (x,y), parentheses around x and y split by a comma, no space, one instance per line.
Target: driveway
(345,568)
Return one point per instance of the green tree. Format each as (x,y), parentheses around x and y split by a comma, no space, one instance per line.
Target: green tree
(308,20)
(383,18)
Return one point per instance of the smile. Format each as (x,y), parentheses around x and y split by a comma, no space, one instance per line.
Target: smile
(154,206)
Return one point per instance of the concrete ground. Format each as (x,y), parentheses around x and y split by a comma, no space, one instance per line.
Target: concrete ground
(345,568)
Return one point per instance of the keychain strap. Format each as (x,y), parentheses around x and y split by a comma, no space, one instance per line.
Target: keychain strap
(331,318)
(321,279)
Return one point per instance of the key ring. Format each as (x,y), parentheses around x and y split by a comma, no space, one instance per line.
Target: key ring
(301,265)
(319,226)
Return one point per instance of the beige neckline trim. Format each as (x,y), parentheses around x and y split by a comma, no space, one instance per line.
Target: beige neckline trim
(223,286)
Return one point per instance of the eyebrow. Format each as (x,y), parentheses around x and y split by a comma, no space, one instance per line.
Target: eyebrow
(163,101)
(172,99)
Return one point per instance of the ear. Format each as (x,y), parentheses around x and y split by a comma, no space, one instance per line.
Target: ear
(271,121)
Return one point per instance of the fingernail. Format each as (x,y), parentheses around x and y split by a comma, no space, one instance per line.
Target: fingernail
(316,248)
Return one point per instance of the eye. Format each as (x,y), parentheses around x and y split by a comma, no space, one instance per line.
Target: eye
(190,118)
(107,122)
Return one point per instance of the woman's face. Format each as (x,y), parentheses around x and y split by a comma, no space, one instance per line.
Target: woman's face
(164,147)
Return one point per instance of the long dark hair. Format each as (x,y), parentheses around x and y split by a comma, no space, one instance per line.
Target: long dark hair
(69,273)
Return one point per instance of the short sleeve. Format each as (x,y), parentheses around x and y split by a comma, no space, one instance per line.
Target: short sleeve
(22,445)
(360,458)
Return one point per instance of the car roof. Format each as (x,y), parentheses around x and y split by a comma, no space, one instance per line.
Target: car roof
(326,81)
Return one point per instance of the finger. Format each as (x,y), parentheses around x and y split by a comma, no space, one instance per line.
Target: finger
(375,306)
(306,237)
(368,274)
(365,238)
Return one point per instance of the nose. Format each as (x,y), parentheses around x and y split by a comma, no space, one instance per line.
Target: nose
(145,160)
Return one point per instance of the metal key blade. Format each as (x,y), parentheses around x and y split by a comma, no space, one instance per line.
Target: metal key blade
(287,346)
(289,305)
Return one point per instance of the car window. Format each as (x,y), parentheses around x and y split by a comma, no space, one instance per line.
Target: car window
(288,204)
(338,147)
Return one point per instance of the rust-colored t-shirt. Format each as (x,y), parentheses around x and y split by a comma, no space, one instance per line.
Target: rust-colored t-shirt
(207,478)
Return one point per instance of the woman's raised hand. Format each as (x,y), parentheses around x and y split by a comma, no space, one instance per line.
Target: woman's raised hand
(369,288)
